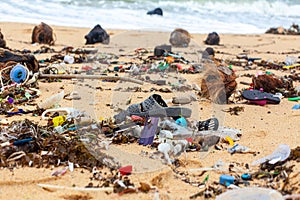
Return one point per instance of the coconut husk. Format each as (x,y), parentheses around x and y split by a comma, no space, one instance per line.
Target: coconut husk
(180,38)
(2,41)
(219,84)
(212,39)
(271,83)
(42,34)
(29,61)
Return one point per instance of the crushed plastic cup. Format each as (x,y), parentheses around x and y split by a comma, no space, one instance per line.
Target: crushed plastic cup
(250,193)
(281,153)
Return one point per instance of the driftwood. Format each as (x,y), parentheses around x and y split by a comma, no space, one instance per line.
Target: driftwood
(47,186)
(42,34)
(28,60)
(82,76)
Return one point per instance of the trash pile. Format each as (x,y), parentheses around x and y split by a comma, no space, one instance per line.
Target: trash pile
(73,139)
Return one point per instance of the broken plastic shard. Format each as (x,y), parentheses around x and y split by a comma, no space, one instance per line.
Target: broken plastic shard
(238,149)
(280,154)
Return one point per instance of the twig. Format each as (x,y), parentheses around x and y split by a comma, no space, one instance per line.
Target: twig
(107,189)
(82,76)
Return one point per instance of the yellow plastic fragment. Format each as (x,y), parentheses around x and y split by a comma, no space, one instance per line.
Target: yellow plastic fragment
(229,140)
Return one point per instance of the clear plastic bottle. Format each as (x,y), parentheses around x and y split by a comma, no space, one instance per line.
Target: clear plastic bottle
(54,99)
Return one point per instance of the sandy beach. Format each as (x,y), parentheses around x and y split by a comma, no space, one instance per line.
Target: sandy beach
(263,128)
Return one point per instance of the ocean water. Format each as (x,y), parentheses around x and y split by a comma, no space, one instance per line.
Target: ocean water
(196,16)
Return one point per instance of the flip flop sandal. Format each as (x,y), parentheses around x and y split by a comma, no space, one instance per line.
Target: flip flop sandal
(259,97)
(149,131)
(209,124)
(155,106)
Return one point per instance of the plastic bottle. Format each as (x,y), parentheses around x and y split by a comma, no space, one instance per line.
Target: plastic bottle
(54,99)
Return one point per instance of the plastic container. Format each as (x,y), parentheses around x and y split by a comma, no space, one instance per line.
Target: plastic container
(250,193)
(70,112)
(226,179)
(19,74)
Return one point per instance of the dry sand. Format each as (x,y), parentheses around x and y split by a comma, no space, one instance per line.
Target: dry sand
(263,127)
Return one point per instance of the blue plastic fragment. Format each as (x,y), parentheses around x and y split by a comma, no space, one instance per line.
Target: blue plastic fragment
(20,111)
(21,142)
(246,176)
(296,107)
(181,121)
